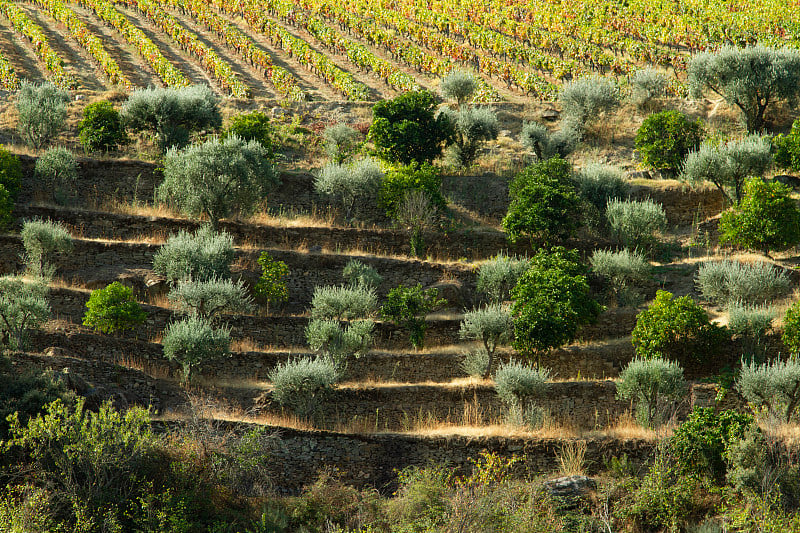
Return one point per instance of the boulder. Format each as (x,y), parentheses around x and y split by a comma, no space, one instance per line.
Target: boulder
(791,181)
(452,291)
(570,490)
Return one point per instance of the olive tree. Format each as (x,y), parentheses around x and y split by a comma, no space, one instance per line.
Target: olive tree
(459,86)
(42,112)
(492,325)
(585,98)
(42,239)
(773,388)
(206,299)
(473,126)
(749,78)
(546,144)
(193,341)
(198,256)
(653,385)
(23,306)
(352,185)
(218,178)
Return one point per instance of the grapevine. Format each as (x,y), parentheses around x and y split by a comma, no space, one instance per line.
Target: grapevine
(8,78)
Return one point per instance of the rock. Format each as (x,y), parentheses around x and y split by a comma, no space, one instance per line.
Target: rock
(278,112)
(452,291)
(73,382)
(551,115)
(55,351)
(570,489)
(639,175)
(316,249)
(791,181)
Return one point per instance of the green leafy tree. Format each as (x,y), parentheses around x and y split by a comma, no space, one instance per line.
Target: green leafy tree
(193,341)
(408,306)
(749,78)
(42,239)
(254,126)
(654,385)
(551,300)
(492,325)
(766,219)
(665,139)
(398,181)
(113,309)
(217,178)
(10,172)
(787,148)
(675,328)
(6,208)
(544,202)
(406,128)
(42,112)
(23,307)
(197,256)
(791,329)
(101,128)
(271,287)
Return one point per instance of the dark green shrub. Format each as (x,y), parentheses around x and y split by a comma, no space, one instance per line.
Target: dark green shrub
(254,126)
(676,329)
(200,256)
(787,148)
(101,128)
(10,173)
(23,307)
(407,307)
(193,341)
(303,384)
(544,202)
(766,219)
(551,300)
(113,309)
(655,386)
(406,128)
(665,139)
(26,392)
(791,329)
(271,287)
(413,176)
(6,208)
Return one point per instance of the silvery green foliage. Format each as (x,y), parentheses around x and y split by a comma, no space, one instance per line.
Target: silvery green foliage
(354,184)
(42,112)
(654,385)
(458,85)
(198,256)
(598,183)
(207,299)
(41,239)
(343,302)
(749,78)
(23,307)
(585,98)
(516,383)
(57,168)
(752,322)
(726,282)
(474,125)
(192,341)
(492,325)
(622,269)
(219,178)
(358,274)
(728,165)
(475,362)
(303,384)
(328,338)
(537,138)
(172,113)
(341,142)
(772,388)
(646,84)
(498,275)
(635,223)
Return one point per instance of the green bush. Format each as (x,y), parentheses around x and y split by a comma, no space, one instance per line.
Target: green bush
(271,287)
(400,180)
(727,282)
(353,186)
(219,178)
(101,128)
(458,85)
(551,300)
(58,170)
(416,213)
(772,388)
(113,309)
(328,338)
(537,138)
(752,322)
(635,223)
(791,329)
(787,148)
(623,270)
(518,385)
(766,219)
(665,139)
(498,275)
(192,341)
(201,256)
(343,303)
(341,142)
(701,442)
(408,306)
(172,113)
(475,362)
(207,299)
(473,127)
(406,128)
(42,239)
(357,274)
(654,386)
(6,208)
(23,307)
(303,384)
(598,183)
(586,98)
(544,202)
(253,126)
(646,84)
(42,112)
(10,173)
(26,393)
(492,325)
(757,464)
(676,329)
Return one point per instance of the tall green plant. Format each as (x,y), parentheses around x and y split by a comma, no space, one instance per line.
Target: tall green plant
(408,306)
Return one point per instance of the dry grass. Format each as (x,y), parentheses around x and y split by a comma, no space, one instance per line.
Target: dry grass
(626,428)
(152,369)
(572,458)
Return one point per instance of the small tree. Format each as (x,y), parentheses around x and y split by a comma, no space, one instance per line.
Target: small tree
(653,385)
(537,138)
(750,78)
(787,148)
(353,185)
(6,208)
(200,256)
(10,173)
(735,282)
(766,219)
(751,322)
(101,128)
(217,178)
(598,183)
(473,126)
(343,303)
(113,309)
(544,202)
(622,269)
(329,339)
(57,169)
(586,98)
(172,113)
(492,325)
(773,389)
(42,239)
(647,84)
(518,385)
(23,307)
(791,330)
(498,275)
(254,126)
(193,341)
(408,306)
(42,112)
(341,142)
(400,180)
(551,300)
(406,129)
(417,214)
(302,385)
(357,274)
(207,299)
(459,86)
(635,223)
(665,139)
(271,287)
(728,165)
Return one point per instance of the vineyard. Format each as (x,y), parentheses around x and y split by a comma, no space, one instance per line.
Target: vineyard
(369,49)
